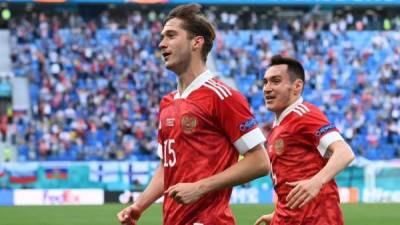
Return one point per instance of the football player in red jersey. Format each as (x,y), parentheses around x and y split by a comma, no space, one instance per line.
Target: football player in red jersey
(204,126)
(305,149)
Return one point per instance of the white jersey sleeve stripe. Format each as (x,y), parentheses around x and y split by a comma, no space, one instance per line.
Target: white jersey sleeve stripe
(225,88)
(300,109)
(304,107)
(159,151)
(222,90)
(222,86)
(328,139)
(217,87)
(215,90)
(249,140)
(298,112)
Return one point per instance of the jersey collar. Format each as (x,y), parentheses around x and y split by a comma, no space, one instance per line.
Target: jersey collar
(286,112)
(196,83)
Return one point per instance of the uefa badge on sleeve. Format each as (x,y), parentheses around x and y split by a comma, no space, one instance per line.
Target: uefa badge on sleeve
(188,123)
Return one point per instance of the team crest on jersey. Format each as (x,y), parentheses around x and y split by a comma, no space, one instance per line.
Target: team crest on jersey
(188,123)
(279,146)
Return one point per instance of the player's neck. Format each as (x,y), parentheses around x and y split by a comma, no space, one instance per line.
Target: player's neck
(187,77)
(289,106)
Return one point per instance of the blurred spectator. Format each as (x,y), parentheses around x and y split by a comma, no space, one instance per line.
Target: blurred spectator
(3,127)
(96,82)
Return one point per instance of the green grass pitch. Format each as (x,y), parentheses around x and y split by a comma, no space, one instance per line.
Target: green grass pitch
(354,214)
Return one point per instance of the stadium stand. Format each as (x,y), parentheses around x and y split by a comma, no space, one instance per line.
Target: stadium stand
(95,82)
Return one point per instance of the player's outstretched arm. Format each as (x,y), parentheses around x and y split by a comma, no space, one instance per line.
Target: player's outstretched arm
(305,190)
(254,164)
(264,219)
(131,214)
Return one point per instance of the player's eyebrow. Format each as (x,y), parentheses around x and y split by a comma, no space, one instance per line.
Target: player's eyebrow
(168,32)
(273,77)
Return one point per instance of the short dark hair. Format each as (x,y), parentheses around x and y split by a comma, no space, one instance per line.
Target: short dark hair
(195,23)
(295,69)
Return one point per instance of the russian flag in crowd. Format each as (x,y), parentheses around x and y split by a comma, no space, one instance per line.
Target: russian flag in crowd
(56,173)
(22,174)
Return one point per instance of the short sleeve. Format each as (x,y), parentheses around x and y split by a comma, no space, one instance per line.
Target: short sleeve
(317,128)
(234,116)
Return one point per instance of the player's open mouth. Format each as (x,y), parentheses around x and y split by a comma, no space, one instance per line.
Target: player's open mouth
(165,55)
(269,98)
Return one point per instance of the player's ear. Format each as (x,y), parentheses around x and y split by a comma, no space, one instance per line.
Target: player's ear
(298,86)
(197,42)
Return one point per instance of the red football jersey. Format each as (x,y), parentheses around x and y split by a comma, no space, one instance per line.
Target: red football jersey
(297,147)
(201,133)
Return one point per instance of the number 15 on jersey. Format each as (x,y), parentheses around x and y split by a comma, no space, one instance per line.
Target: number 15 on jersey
(169,161)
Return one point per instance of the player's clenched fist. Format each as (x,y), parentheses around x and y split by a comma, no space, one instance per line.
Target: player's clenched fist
(185,193)
(129,216)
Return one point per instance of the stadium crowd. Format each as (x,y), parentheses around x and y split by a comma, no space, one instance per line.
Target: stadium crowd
(95,83)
